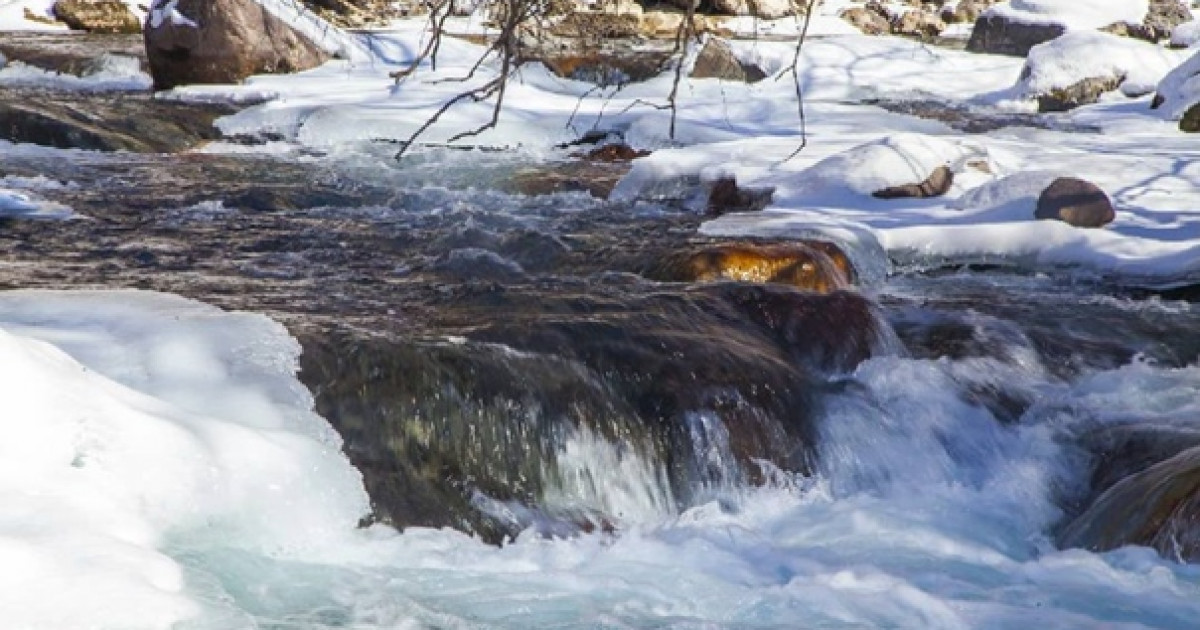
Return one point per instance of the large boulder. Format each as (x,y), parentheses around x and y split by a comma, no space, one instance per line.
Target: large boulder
(222,41)
(1077,202)
(999,34)
(97,16)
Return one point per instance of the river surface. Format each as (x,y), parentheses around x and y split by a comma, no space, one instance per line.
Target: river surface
(928,487)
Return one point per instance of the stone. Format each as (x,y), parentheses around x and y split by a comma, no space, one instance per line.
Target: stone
(867,20)
(615,152)
(614,67)
(918,23)
(1161,20)
(812,265)
(717,61)
(1158,507)
(965,10)
(936,185)
(97,16)
(1190,122)
(223,41)
(995,34)
(1075,201)
(1083,92)
(764,9)
(726,196)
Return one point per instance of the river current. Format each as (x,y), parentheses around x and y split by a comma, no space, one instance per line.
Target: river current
(943,469)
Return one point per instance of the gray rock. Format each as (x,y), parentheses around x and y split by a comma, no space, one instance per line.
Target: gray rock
(998,35)
(1075,201)
(1084,92)
(223,41)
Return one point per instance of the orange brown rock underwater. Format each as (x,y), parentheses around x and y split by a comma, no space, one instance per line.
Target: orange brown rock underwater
(813,265)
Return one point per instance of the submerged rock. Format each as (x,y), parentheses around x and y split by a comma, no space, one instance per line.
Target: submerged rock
(812,265)
(1075,201)
(222,41)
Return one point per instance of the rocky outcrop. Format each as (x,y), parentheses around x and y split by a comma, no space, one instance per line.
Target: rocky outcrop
(717,61)
(996,34)
(812,265)
(222,41)
(1075,201)
(936,185)
(97,16)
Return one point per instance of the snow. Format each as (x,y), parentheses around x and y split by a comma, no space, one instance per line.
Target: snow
(1080,55)
(111,73)
(169,12)
(1073,14)
(1185,35)
(1180,88)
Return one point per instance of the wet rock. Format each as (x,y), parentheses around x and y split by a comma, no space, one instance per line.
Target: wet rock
(996,34)
(1158,507)
(222,41)
(443,430)
(478,265)
(1075,201)
(105,123)
(1081,93)
(725,196)
(717,61)
(70,53)
(812,265)
(936,185)
(97,16)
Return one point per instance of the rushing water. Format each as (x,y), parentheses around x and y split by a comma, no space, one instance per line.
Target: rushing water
(943,467)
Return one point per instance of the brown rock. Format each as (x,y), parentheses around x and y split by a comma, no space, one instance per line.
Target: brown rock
(726,196)
(1190,122)
(812,265)
(1075,201)
(97,16)
(867,20)
(229,41)
(615,152)
(717,61)
(1084,92)
(918,23)
(935,185)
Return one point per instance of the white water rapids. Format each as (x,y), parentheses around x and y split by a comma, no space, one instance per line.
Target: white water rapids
(162,468)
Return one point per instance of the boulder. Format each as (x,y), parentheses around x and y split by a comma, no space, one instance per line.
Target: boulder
(1190,122)
(222,41)
(97,16)
(997,34)
(965,10)
(1160,21)
(936,185)
(812,265)
(717,61)
(1158,507)
(1075,201)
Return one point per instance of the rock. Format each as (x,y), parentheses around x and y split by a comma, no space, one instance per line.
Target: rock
(717,61)
(125,122)
(1158,507)
(222,41)
(966,10)
(97,16)
(867,19)
(936,185)
(615,152)
(1084,92)
(813,265)
(606,67)
(918,23)
(996,34)
(1075,201)
(726,196)
(1161,20)
(763,9)
(1190,122)
(591,25)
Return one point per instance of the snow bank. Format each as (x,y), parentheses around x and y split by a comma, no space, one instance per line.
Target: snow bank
(134,420)
(1186,35)
(1080,55)
(1073,14)
(1179,90)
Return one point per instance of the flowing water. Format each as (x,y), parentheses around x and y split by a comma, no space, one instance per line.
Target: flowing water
(650,454)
